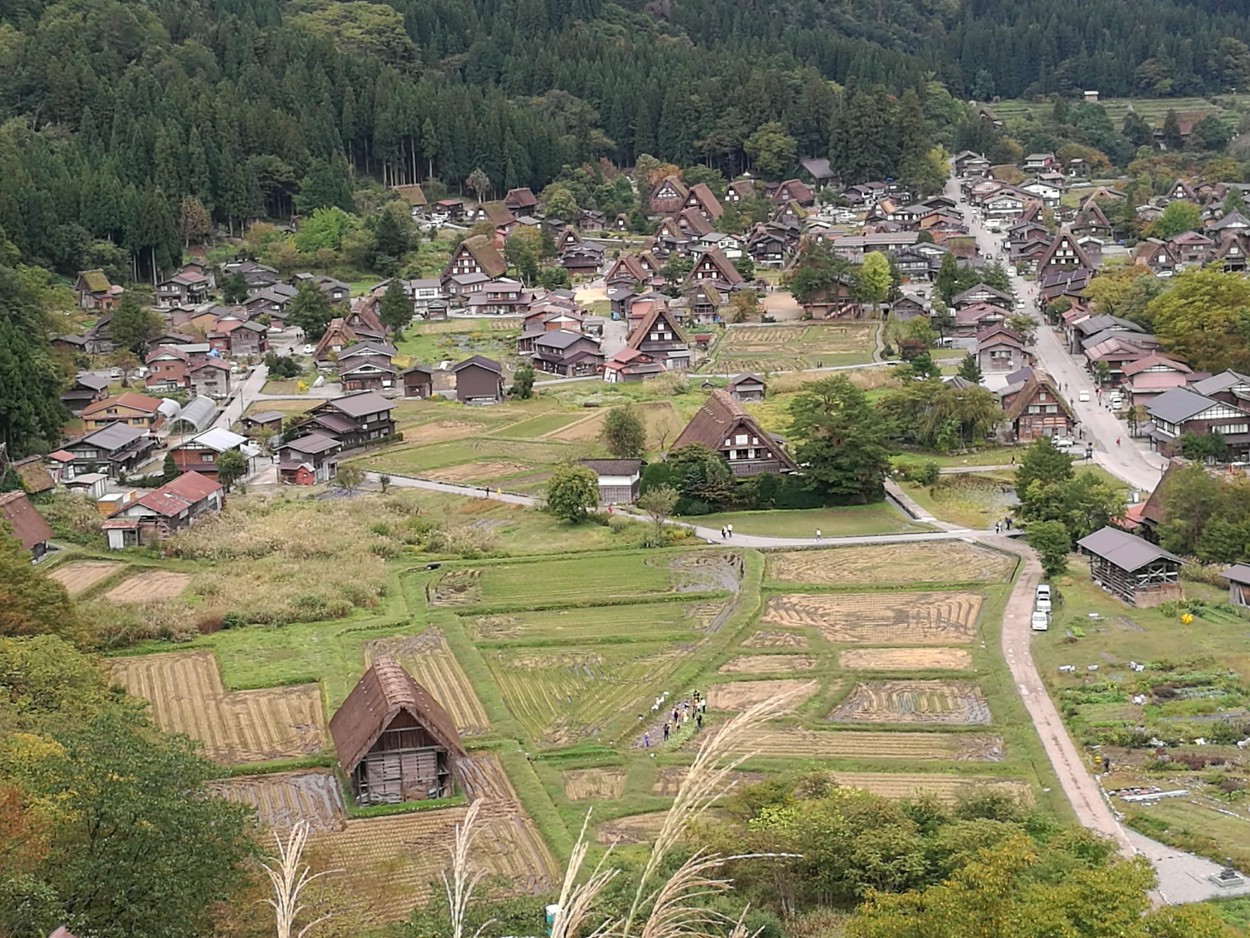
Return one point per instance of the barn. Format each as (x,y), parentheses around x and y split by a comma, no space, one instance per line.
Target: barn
(394,741)
(1130,568)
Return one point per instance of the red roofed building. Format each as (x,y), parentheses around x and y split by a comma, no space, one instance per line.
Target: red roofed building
(166,510)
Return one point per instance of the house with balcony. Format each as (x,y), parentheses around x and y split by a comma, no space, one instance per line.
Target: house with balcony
(724,427)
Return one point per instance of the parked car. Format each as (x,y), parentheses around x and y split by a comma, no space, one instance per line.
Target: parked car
(1040,621)
(1083,397)
(309,349)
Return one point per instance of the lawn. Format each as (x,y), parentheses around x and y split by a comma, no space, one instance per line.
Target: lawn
(974,500)
(846,521)
(648,622)
(457,339)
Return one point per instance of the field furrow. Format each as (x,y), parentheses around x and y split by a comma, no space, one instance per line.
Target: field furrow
(880,618)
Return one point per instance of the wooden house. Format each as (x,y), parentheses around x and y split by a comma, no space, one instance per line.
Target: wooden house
(201,453)
(129,409)
(521,201)
(1180,411)
(359,419)
(716,267)
(1000,350)
(418,381)
(668,196)
(659,337)
(95,292)
(1033,407)
(26,525)
(167,510)
(567,353)
(263,425)
(702,200)
(476,255)
(725,428)
(794,190)
(1131,568)
(479,380)
(189,287)
(113,449)
(310,459)
(618,479)
(85,390)
(337,337)
(394,741)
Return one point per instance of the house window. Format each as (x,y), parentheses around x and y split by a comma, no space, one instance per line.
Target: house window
(740,439)
(206,457)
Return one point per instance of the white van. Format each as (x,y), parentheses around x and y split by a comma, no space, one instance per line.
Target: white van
(1043,592)
(1040,621)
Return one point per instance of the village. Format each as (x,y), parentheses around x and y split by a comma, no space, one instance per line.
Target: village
(469,398)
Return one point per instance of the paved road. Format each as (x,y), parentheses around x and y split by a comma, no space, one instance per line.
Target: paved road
(1129,460)
(247,393)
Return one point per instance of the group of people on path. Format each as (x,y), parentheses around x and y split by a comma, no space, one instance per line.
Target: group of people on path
(1004,525)
(684,712)
(726,532)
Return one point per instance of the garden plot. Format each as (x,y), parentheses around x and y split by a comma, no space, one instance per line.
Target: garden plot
(906,659)
(282,799)
(187,696)
(891,565)
(593,784)
(81,576)
(569,693)
(881,618)
(768,664)
(432,665)
(799,743)
(794,347)
(742,695)
(650,621)
(775,638)
(149,586)
(945,703)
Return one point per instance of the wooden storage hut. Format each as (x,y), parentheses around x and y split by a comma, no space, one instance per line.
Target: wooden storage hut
(1131,568)
(394,741)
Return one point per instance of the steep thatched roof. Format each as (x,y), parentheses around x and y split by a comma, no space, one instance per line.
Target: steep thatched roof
(384,691)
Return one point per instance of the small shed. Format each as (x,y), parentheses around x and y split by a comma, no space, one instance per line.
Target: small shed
(394,741)
(747,387)
(263,425)
(618,479)
(1130,568)
(1238,576)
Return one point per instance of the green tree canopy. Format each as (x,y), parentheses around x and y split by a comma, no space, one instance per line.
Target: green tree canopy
(624,434)
(395,309)
(310,311)
(840,441)
(572,492)
(1204,318)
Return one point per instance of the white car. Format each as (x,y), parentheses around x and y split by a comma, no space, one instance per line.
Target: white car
(309,349)
(1040,621)
(1083,397)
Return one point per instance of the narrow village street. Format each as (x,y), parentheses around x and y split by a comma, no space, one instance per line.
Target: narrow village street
(1128,459)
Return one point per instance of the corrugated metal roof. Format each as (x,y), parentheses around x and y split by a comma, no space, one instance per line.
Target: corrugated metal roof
(1124,550)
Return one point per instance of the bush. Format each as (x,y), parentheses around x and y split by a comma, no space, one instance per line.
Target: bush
(927,473)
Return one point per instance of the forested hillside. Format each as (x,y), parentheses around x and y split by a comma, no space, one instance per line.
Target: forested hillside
(116,111)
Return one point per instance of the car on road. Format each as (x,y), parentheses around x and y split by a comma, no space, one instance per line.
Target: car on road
(1042,602)
(1083,396)
(1115,401)
(308,349)
(1040,621)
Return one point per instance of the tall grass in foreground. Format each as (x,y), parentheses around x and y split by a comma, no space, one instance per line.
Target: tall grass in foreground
(288,880)
(673,907)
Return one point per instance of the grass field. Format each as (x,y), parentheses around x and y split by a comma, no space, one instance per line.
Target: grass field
(770,348)
(849,520)
(653,621)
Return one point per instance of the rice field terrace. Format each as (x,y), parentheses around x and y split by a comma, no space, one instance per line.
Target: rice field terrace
(584,580)
(788,347)
(559,671)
